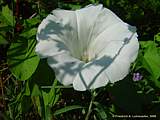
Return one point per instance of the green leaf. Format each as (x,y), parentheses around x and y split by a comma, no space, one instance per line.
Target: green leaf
(3,40)
(27,89)
(151,61)
(7,16)
(38,103)
(22,59)
(56,99)
(101,114)
(108,3)
(100,111)
(92,1)
(49,97)
(33,21)
(67,108)
(29,33)
(157,37)
(70,6)
(146,44)
(5,28)
(43,76)
(36,91)
(48,115)
(75,7)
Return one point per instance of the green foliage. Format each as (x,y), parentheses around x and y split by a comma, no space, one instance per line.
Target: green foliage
(157,37)
(31,87)
(67,108)
(3,40)
(100,111)
(31,22)
(151,61)
(42,98)
(6,16)
(7,23)
(22,59)
(29,33)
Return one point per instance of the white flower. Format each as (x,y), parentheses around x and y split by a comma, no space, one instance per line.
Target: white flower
(88,48)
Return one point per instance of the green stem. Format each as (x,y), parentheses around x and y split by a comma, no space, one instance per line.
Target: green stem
(90,105)
(57,87)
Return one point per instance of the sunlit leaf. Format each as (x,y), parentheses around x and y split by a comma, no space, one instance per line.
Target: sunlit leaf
(7,16)
(22,59)
(33,21)
(29,33)
(157,37)
(50,96)
(48,115)
(151,61)
(92,1)
(27,89)
(36,91)
(145,44)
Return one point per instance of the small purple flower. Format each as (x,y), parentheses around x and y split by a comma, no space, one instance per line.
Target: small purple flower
(137,76)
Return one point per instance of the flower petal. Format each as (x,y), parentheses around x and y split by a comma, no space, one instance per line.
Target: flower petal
(65,66)
(130,49)
(122,48)
(92,20)
(120,43)
(86,18)
(48,48)
(109,42)
(112,39)
(118,70)
(124,58)
(60,25)
(92,75)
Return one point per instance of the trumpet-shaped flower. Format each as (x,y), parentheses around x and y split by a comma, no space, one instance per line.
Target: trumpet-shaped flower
(88,48)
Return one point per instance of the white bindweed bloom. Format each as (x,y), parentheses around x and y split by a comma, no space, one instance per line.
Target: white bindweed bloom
(88,48)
